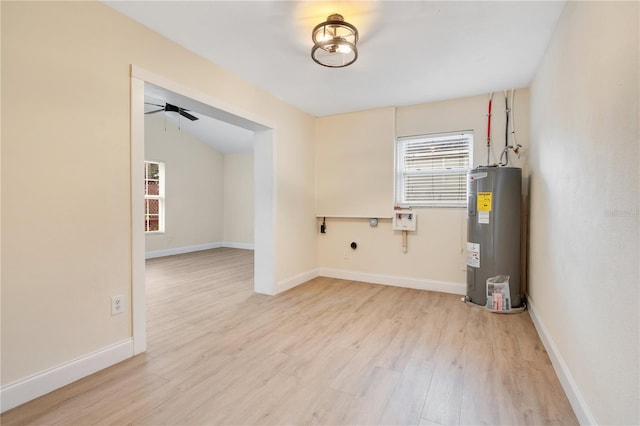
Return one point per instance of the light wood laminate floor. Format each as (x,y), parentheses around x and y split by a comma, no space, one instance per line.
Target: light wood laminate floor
(328,352)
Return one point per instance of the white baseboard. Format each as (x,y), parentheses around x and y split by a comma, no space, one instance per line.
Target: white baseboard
(431,285)
(181,250)
(295,281)
(419,284)
(244,246)
(189,249)
(577,401)
(25,390)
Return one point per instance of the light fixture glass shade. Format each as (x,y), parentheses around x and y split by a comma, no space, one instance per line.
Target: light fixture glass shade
(334,42)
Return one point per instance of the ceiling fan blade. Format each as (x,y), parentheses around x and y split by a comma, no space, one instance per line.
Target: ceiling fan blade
(149,103)
(185,114)
(153,112)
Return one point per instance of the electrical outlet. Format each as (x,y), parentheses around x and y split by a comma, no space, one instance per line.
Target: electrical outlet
(117,305)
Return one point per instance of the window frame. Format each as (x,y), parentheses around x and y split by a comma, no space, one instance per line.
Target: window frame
(401,172)
(160,197)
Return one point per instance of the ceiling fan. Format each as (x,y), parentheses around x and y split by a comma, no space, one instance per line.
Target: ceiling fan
(172,108)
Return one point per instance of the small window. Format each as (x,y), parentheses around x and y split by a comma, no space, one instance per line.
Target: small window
(431,170)
(153,196)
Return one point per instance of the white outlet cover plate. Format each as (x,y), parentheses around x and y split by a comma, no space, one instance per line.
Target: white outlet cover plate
(117,305)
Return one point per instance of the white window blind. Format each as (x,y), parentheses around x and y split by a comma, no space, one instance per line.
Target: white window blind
(431,170)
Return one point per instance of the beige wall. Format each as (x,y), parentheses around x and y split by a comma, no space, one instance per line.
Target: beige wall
(354,177)
(584,281)
(436,250)
(238,199)
(194,177)
(66,145)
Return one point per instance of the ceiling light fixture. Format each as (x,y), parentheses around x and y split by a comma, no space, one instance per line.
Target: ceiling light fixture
(334,42)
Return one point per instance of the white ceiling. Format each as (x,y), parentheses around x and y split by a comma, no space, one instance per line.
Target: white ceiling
(410,52)
(211,127)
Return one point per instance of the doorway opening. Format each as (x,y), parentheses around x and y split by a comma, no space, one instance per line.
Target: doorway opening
(264,190)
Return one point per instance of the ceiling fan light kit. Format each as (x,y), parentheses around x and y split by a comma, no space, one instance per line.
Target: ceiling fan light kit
(334,42)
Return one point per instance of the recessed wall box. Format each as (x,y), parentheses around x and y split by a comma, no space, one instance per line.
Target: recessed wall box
(404,220)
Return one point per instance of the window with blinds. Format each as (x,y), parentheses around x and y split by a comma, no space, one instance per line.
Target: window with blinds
(153,196)
(431,170)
